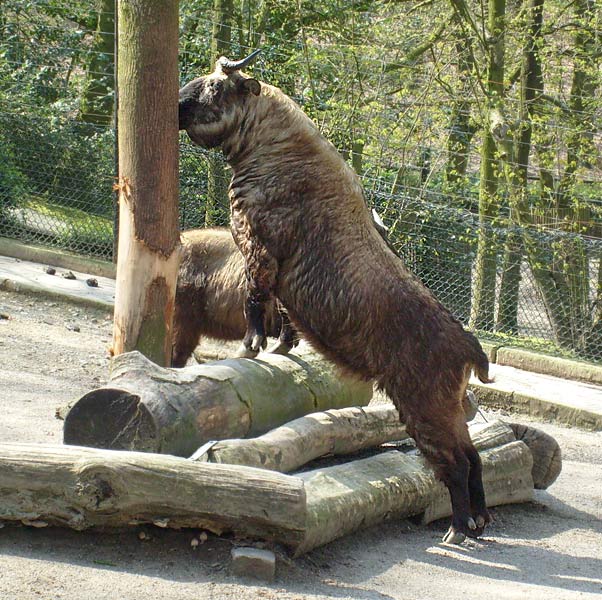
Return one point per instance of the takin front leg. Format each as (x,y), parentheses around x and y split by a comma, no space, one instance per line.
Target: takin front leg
(261,271)
(289,337)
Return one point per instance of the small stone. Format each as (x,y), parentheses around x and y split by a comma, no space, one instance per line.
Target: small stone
(50,271)
(253,562)
(92,282)
(4,316)
(143,536)
(161,522)
(68,275)
(73,327)
(194,542)
(203,537)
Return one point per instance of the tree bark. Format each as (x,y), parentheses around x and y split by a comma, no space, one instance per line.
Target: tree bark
(217,205)
(175,411)
(483,301)
(148,257)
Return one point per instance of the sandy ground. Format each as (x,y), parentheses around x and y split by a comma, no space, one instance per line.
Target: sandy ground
(550,549)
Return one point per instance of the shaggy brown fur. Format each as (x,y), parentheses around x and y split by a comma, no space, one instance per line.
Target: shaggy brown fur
(211,293)
(300,219)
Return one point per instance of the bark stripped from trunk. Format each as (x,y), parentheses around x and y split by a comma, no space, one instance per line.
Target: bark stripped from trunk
(148,178)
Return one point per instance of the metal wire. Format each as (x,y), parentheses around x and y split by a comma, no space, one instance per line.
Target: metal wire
(57,169)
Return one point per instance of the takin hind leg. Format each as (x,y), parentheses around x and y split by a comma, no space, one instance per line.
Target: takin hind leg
(445,442)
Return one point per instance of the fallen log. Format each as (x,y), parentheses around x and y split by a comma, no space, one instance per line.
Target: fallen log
(290,446)
(333,432)
(85,487)
(344,498)
(82,488)
(148,408)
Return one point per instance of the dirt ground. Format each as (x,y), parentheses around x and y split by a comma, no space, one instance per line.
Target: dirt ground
(549,549)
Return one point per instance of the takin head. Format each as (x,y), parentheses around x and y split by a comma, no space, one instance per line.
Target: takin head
(209,107)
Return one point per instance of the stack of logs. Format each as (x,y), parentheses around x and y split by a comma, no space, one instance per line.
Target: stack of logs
(262,486)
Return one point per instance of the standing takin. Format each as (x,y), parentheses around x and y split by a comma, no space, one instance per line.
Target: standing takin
(301,222)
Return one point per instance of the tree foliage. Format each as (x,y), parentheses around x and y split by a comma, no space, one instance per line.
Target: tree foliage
(474,125)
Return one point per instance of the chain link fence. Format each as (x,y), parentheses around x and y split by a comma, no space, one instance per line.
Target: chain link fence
(421,168)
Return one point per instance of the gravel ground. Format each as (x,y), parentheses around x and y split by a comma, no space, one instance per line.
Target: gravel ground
(549,549)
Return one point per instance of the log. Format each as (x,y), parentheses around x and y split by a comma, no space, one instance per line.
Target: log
(547,457)
(83,488)
(148,408)
(86,487)
(289,447)
(333,432)
(344,498)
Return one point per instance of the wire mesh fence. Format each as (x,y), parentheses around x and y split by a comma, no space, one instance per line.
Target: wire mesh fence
(487,176)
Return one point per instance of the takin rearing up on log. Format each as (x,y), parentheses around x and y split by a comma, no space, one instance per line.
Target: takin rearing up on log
(300,219)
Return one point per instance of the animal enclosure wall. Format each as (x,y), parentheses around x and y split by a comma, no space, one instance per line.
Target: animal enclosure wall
(491,194)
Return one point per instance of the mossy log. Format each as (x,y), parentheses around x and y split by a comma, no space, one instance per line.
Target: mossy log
(354,495)
(148,408)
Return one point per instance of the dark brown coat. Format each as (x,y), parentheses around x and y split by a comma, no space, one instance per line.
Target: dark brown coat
(300,219)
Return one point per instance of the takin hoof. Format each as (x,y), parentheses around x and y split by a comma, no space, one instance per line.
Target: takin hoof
(244,352)
(280,348)
(456,534)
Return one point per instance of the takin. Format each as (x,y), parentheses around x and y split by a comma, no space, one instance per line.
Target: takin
(299,217)
(210,295)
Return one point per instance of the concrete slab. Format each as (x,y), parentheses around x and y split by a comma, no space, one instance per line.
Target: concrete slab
(542,396)
(22,275)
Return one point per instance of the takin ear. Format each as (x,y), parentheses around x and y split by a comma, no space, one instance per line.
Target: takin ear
(251,85)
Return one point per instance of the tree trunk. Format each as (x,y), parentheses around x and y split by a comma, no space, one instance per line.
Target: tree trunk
(217,205)
(507,318)
(174,411)
(571,254)
(483,301)
(98,98)
(148,257)
(461,131)
(516,168)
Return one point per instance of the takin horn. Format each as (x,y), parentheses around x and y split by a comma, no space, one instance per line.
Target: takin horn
(229,66)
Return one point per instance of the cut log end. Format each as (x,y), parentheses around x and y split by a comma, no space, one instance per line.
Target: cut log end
(547,457)
(130,422)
